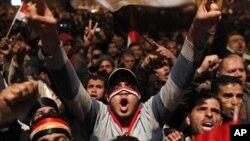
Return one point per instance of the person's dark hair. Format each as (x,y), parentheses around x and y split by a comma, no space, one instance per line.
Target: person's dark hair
(125,138)
(234,33)
(127,52)
(96,48)
(198,98)
(96,77)
(223,81)
(133,44)
(157,63)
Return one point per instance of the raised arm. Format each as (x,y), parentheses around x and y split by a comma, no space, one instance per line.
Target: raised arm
(64,78)
(208,14)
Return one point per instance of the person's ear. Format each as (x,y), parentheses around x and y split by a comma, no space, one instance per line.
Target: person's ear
(187,119)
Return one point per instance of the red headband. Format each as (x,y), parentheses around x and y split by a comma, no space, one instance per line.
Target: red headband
(127,89)
(50,125)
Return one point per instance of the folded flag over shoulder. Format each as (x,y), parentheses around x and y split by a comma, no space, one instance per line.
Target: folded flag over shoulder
(22,11)
(115,5)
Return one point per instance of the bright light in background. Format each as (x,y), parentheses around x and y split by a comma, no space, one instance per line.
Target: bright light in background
(94,10)
(16,2)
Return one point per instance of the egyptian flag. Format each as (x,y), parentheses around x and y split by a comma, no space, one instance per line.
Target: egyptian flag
(133,37)
(22,11)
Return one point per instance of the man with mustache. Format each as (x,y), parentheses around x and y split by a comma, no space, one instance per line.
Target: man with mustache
(203,113)
(233,65)
(230,91)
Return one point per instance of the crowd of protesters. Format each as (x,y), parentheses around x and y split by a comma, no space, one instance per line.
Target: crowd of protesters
(75,76)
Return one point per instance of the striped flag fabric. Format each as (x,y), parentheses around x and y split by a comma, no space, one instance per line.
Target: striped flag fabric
(22,11)
(115,5)
(20,15)
(133,37)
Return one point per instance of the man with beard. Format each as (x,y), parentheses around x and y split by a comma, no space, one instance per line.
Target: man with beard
(124,113)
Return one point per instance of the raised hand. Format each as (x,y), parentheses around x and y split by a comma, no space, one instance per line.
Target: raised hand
(4,46)
(207,15)
(40,23)
(43,24)
(89,33)
(162,51)
(174,136)
(209,64)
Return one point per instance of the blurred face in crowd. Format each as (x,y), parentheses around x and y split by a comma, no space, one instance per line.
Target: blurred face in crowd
(11,13)
(205,116)
(172,46)
(106,66)
(95,52)
(233,66)
(137,51)
(128,61)
(231,96)
(124,103)
(118,40)
(54,137)
(113,50)
(96,88)
(67,46)
(163,72)
(237,43)
(93,60)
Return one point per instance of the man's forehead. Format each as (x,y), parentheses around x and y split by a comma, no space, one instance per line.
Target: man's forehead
(209,101)
(234,61)
(236,36)
(106,62)
(95,80)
